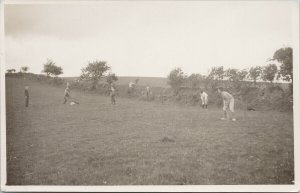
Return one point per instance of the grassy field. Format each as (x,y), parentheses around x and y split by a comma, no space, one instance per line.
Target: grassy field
(139,142)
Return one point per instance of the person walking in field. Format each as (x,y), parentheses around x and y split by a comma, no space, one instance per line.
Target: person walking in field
(228,104)
(204,99)
(112,94)
(26,96)
(66,94)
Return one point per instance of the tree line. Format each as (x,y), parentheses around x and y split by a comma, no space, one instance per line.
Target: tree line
(93,72)
(97,70)
(284,56)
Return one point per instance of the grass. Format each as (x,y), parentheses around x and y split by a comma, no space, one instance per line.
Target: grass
(143,81)
(139,142)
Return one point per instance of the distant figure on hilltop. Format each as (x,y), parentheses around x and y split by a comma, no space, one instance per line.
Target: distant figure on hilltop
(26,96)
(228,102)
(204,99)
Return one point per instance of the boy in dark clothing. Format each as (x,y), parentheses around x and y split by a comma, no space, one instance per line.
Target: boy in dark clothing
(26,96)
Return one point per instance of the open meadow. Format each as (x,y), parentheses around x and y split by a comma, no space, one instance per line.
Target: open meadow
(140,142)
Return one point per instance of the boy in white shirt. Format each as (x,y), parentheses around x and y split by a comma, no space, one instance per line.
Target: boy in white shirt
(148,91)
(228,104)
(204,99)
(131,88)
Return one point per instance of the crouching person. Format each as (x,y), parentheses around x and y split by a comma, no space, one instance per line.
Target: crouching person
(204,99)
(228,104)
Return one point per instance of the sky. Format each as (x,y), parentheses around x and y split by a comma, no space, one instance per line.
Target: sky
(147,38)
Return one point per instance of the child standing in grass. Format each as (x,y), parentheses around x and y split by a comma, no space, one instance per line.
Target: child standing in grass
(131,88)
(66,94)
(26,96)
(148,91)
(228,104)
(204,99)
(112,94)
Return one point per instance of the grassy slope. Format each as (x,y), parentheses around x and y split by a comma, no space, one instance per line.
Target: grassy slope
(143,81)
(95,143)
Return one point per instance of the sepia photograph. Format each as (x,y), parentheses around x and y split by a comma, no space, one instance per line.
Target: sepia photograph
(165,93)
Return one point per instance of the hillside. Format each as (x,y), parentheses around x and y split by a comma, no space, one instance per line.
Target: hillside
(263,96)
(139,142)
(143,81)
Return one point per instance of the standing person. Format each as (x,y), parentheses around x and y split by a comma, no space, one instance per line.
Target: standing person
(148,91)
(228,104)
(204,99)
(66,94)
(130,88)
(112,94)
(26,96)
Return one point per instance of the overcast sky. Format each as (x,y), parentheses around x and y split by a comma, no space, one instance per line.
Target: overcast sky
(147,38)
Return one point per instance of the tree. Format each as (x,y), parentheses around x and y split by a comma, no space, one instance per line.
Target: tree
(176,79)
(285,57)
(51,69)
(231,74)
(254,73)
(235,74)
(194,80)
(216,73)
(242,74)
(110,78)
(94,72)
(235,77)
(24,69)
(269,72)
